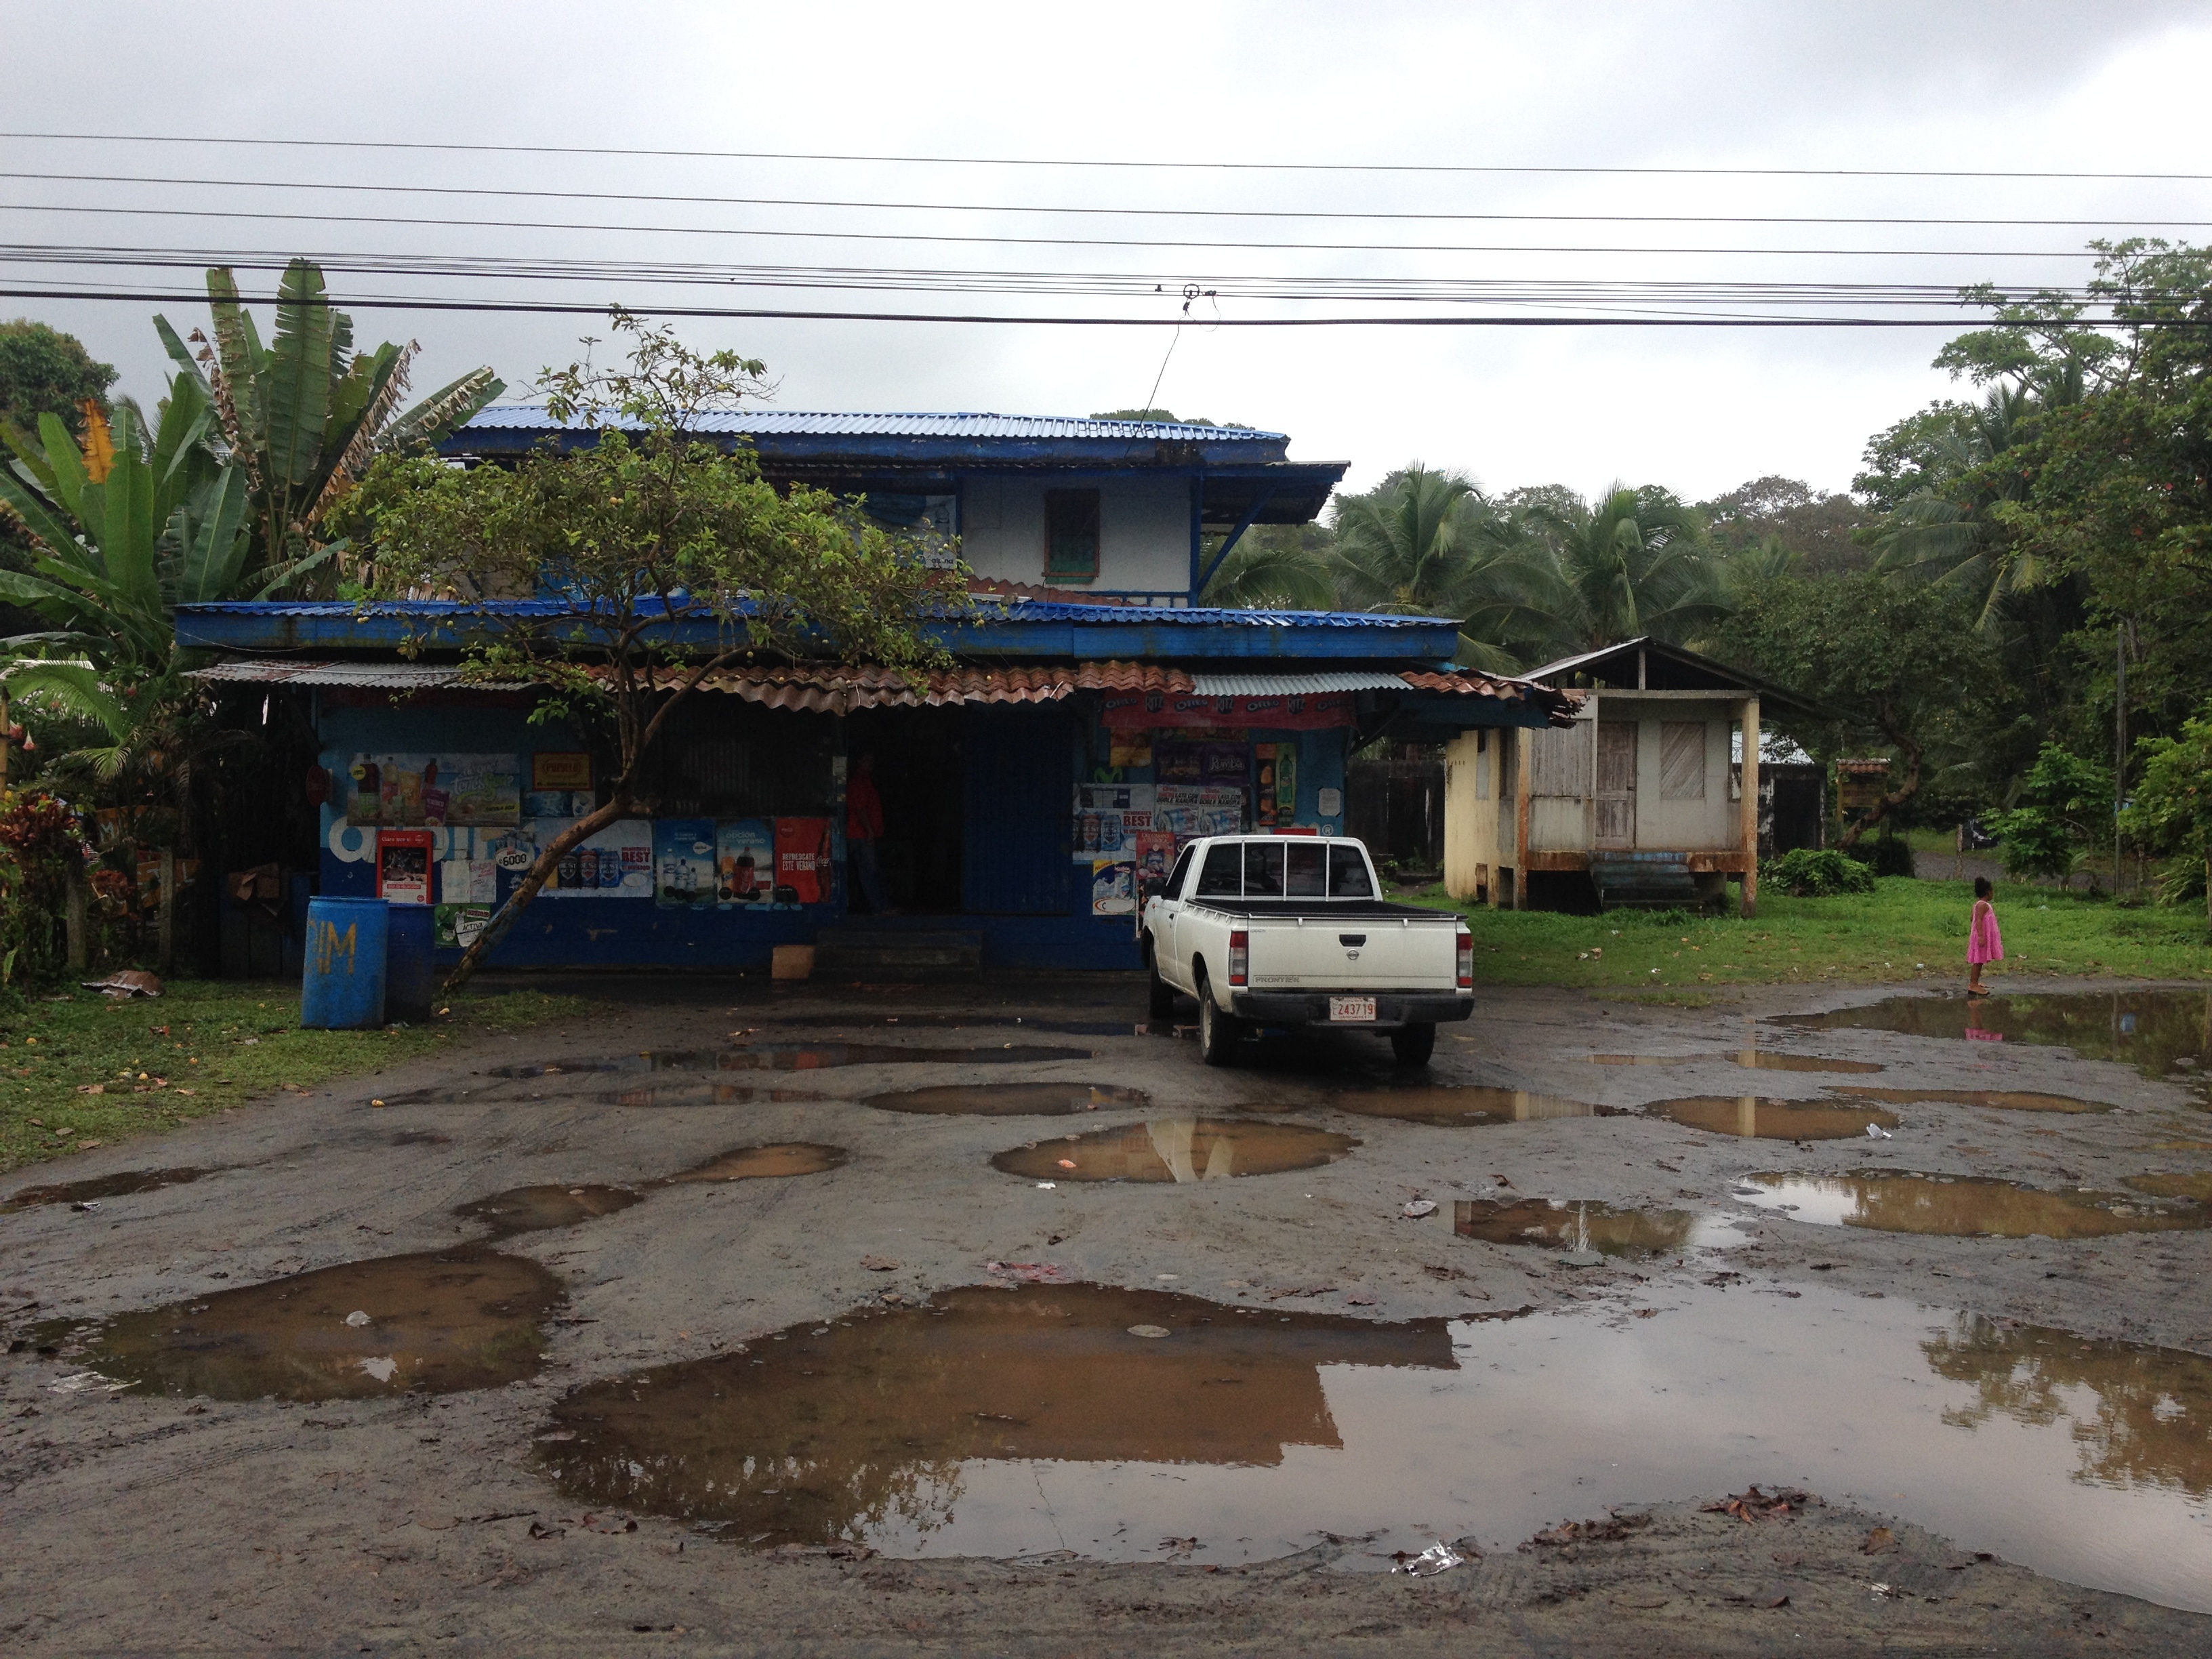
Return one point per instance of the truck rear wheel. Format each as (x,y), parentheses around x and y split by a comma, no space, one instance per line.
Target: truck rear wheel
(1217,1032)
(1414,1044)
(1159,995)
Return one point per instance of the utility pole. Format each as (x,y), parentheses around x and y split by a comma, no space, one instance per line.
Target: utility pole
(2120,641)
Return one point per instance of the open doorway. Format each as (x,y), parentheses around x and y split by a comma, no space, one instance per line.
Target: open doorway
(916,762)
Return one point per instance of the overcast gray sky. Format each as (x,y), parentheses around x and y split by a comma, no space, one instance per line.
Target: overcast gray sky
(2017,85)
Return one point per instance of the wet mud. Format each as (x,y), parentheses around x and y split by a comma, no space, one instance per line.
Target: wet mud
(2196,1185)
(91,1191)
(434,1323)
(1177,1148)
(1582,1226)
(1011,1099)
(2000,1100)
(1765,1060)
(2157,1032)
(1964,1207)
(1462,1105)
(793,1057)
(1764,1118)
(538,1209)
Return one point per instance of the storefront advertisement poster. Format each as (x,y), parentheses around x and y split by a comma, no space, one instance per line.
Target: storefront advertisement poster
(1113,887)
(615,862)
(406,790)
(468,881)
(684,862)
(554,769)
(1156,853)
(1114,797)
(402,866)
(456,926)
(744,862)
(804,865)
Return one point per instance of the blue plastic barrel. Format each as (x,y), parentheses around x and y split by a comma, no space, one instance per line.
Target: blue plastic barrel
(409,980)
(342,987)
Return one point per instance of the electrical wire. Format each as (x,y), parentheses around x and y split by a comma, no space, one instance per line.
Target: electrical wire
(865,205)
(1511,168)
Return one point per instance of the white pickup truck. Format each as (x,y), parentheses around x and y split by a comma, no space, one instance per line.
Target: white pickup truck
(1291,930)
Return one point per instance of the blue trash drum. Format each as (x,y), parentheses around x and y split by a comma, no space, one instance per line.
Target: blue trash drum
(342,987)
(410,978)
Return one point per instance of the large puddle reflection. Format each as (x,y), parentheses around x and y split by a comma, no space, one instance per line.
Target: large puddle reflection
(1765,1060)
(1963,1206)
(1453,1106)
(1179,1149)
(1011,1099)
(1766,1119)
(1582,1226)
(2149,1030)
(436,1323)
(2000,1099)
(1131,1426)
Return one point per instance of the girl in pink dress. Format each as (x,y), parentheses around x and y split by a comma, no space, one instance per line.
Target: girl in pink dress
(1984,942)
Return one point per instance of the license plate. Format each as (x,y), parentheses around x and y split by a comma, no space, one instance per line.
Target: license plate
(1352,1008)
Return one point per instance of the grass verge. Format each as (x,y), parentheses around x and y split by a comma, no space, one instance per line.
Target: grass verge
(1904,930)
(78,1070)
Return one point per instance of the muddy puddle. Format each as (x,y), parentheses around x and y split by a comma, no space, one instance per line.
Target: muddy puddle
(2000,1100)
(2157,1032)
(1012,1099)
(1583,1228)
(758,1163)
(1101,1025)
(1179,1149)
(1462,1105)
(793,1057)
(436,1323)
(93,1190)
(1965,1206)
(1040,1422)
(1764,1118)
(1765,1060)
(537,1209)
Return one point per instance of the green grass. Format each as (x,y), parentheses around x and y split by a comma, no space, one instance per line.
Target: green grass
(1906,930)
(84,1071)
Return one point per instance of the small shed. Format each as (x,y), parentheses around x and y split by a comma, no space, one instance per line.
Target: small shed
(1642,800)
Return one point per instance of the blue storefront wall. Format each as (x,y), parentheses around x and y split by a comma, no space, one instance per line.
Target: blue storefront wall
(1026,889)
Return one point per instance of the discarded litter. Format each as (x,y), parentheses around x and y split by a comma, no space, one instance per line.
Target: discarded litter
(1437,1558)
(356,1318)
(1875,1132)
(127,983)
(1152,1331)
(1752,1504)
(1416,1208)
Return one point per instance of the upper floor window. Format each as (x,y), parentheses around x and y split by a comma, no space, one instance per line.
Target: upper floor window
(1070,534)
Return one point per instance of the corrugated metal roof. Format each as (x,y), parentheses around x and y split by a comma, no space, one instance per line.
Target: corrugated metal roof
(989,608)
(531,418)
(386,676)
(1293,685)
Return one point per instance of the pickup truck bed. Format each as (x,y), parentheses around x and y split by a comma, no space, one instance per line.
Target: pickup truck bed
(1276,909)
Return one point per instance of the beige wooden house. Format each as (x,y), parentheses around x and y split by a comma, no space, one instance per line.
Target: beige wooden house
(1641,798)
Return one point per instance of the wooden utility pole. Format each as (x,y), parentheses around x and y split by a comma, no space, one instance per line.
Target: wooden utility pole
(1750,803)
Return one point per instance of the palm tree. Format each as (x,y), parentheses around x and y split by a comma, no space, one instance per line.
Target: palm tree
(1628,562)
(1276,568)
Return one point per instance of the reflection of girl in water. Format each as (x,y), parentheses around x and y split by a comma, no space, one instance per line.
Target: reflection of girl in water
(1983,943)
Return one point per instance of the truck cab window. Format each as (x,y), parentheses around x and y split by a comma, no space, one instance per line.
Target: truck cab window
(1347,874)
(1222,875)
(1182,869)
(1263,870)
(1305,866)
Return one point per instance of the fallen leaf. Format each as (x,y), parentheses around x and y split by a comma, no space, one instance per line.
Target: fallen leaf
(1878,1541)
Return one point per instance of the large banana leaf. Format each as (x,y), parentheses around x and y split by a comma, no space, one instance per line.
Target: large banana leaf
(239,354)
(302,372)
(209,533)
(63,471)
(37,511)
(181,354)
(442,410)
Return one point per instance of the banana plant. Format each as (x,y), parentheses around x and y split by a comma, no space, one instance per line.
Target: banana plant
(128,525)
(304,414)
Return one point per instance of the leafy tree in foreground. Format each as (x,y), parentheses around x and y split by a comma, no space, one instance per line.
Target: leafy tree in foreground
(1885,664)
(2064,808)
(663,559)
(1628,562)
(2171,812)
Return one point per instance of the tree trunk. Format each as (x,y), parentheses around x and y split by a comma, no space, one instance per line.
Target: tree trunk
(548,858)
(75,924)
(166,963)
(1896,797)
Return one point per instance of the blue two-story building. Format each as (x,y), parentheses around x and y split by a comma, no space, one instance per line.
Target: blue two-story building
(1096,715)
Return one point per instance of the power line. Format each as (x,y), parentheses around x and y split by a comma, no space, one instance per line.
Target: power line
(261,216)
(865,205)
(1528,169)
(384,302)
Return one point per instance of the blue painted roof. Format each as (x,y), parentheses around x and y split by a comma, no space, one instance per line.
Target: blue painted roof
(989,610)
(532,417)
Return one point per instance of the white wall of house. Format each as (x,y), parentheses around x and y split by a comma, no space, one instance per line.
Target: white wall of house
(1143,531)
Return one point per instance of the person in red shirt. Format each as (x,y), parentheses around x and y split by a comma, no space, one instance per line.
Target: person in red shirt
(864,828)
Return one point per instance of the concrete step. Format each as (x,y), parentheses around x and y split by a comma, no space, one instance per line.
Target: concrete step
(898,953)
(1645,881)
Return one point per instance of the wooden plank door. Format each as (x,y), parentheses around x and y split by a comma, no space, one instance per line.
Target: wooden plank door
(1616,783)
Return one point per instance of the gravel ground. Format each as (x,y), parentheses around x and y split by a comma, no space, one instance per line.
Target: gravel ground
(135,1522)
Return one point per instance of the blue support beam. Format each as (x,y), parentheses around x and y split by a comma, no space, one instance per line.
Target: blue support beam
(1259,506)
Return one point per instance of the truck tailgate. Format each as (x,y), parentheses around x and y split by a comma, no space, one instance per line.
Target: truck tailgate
(1355,953)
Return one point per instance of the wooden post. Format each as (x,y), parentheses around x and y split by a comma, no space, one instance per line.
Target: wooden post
(1524,763)
(167,961)
(1750,806)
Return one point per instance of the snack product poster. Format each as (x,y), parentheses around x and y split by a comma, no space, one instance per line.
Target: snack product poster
(1113,887)
(684,862)
(415,789)
(744,861)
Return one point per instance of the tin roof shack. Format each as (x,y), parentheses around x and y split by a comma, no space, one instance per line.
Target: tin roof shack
(1084,732)
(1639,801)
